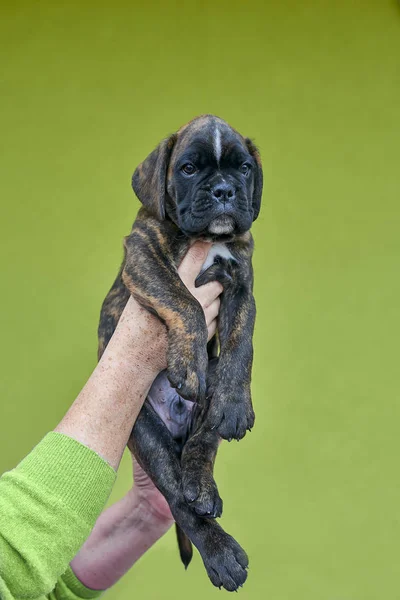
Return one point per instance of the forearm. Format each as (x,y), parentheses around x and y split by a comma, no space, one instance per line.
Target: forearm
(103,414)
(122,534)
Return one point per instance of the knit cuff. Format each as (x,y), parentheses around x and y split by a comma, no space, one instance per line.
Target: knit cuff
(77,587)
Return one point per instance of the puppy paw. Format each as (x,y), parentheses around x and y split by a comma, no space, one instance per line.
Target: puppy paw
(230,413)
(201,493)
(187,367)
(188,379)
(226,563)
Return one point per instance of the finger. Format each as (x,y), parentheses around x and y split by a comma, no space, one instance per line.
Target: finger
(211,329)
(193,261)
(206,294)
(211,312)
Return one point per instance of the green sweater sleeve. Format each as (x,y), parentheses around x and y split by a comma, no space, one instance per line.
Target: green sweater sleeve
(70,588)
(48,506)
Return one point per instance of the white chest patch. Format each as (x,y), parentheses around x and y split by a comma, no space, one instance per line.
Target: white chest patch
(217,250)
(217,143)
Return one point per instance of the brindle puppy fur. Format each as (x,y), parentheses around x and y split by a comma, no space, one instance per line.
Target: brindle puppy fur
(204,182)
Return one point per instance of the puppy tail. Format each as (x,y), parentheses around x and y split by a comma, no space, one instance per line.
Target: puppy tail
(185,546)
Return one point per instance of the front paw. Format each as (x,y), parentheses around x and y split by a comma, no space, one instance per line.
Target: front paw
(187,368)
(231,412)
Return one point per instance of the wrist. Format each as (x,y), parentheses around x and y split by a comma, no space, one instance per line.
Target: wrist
(146,514)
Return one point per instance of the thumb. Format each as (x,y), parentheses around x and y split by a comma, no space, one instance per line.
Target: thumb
(193,261)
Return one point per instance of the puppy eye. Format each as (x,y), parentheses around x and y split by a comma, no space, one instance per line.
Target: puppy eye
(188,169)
(245,168)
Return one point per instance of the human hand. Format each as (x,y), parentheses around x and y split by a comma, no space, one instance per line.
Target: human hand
(145,326)
(208,294)
(154,508)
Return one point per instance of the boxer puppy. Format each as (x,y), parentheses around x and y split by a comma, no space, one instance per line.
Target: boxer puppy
(203,182)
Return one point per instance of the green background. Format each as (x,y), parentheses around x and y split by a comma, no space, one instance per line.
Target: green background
(87,90)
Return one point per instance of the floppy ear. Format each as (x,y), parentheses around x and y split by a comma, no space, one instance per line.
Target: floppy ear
(258,177)
(149,179)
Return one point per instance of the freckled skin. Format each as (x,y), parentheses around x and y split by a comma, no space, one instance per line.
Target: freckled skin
(177,209)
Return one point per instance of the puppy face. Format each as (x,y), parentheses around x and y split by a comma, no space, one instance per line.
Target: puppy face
(206,178)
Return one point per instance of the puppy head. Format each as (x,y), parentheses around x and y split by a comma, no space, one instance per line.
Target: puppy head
(207,178)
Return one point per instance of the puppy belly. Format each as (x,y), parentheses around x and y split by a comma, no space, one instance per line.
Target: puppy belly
(174,411)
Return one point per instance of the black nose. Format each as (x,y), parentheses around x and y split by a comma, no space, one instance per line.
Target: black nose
(223,193)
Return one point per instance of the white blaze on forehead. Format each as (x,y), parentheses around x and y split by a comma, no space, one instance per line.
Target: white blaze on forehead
(217,143)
